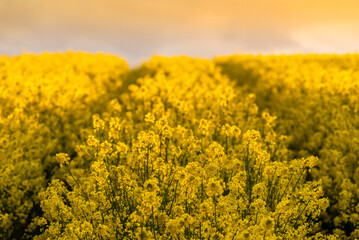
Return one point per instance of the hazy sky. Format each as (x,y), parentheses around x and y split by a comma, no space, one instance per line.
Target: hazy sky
(137,29)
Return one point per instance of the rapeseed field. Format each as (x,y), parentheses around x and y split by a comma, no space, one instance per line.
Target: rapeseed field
(235,147)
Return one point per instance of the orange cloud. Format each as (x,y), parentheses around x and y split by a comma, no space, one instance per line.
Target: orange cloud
(139,28)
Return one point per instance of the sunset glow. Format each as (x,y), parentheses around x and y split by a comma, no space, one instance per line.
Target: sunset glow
(138,29)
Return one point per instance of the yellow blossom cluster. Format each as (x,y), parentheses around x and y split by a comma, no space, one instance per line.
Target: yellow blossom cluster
(46,105)
(315,99)
(185,154)
(238,147)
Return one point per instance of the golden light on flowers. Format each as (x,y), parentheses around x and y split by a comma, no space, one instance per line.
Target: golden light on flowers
(63,158)
(98,124)
(149,118)
(214,188)
(268,223)
(238,147)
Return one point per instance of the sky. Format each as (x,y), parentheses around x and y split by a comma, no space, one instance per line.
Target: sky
(138,29)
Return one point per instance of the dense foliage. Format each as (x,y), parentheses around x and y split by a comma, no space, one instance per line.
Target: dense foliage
(241,147)
(46,105)
(316,100)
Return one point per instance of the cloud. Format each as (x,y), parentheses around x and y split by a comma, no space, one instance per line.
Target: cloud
(329,37)
(140,28)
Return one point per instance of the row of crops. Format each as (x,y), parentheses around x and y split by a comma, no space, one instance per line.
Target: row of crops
(237,147)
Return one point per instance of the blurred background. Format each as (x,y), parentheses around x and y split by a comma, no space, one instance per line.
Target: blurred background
(137,29)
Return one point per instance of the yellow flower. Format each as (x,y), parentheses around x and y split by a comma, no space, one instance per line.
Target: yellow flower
(121,148)
(217,236)
(63,158)
(151,185)
(92,141)
(268,223)
(98,124)
(149,118)
(174,227)
(203,127)
(214,187)
(235,131)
